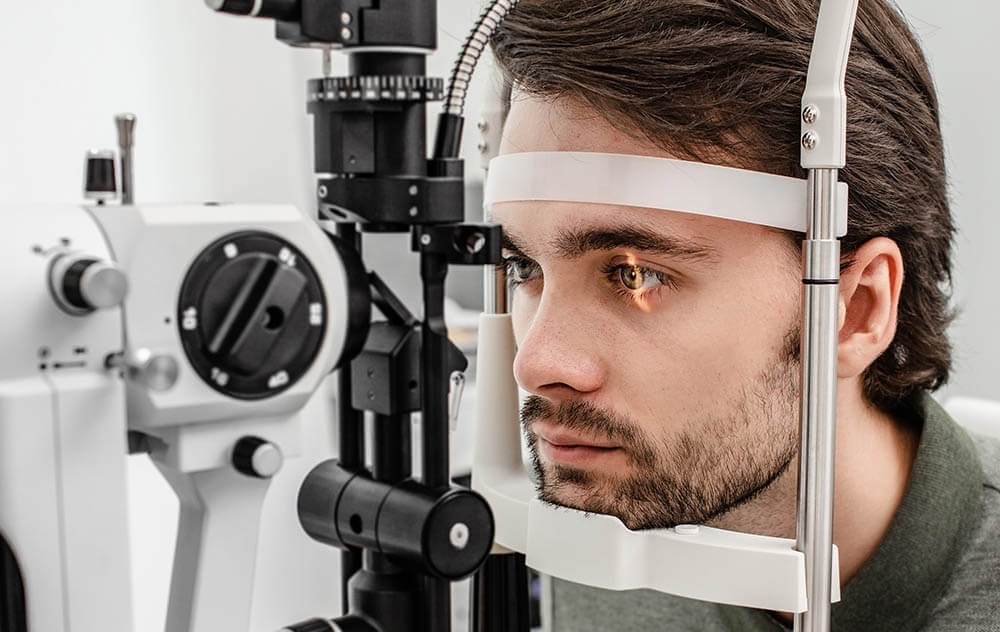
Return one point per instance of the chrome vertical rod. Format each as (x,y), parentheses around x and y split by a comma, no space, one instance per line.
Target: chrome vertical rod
(494,285)
(494,290)
(821,278)
(125,124)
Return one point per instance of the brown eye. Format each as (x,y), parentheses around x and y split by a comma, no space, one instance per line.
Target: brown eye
(632,277)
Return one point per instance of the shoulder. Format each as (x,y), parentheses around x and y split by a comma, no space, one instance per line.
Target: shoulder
(972,597)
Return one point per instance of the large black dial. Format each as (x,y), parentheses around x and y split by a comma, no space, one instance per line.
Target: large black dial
(251,314)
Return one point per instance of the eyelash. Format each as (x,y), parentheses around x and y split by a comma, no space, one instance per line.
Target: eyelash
(611,271)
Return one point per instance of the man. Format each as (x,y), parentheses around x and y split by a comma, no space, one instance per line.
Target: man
(660,349)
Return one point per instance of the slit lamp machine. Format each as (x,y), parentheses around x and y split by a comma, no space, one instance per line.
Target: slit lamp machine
(196,334)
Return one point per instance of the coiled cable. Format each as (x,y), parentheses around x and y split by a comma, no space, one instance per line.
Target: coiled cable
(449,131)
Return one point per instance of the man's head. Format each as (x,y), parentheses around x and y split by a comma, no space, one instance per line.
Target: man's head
(665,342)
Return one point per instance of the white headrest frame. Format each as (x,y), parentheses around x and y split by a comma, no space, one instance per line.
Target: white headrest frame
(658,183)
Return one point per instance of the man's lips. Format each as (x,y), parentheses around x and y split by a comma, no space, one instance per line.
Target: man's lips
(569,448)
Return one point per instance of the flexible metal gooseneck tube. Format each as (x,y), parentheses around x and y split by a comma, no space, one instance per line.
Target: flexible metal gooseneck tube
(824,151)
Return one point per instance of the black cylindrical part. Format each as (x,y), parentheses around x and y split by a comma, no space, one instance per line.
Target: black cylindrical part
(13,610)
(392,459)
(320,496)
(99,177)
(500,599)
(448,139)
(395,598)
(434,356)
(400,128)
(447,535)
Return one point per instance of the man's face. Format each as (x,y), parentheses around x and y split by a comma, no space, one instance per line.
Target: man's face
(659,348)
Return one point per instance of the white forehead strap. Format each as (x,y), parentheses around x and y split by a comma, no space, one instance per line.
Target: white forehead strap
(657,183)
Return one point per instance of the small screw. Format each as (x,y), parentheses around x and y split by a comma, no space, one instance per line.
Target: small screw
(346,33)
(414,211)
(810,139)
(322,191)
(414,190)
(370,372)
(810,114)
(483,148)
(475,242)
(425,240)
(345,18)
(482,125)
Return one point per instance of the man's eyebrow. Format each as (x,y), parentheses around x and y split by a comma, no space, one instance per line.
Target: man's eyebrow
(573,243)
(511,242)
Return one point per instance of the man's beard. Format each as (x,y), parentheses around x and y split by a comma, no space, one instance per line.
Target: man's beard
(711,467)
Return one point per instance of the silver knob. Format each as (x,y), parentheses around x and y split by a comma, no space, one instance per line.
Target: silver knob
(154,371)
(82,284)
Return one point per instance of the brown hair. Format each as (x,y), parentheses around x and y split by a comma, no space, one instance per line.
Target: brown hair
(699,76)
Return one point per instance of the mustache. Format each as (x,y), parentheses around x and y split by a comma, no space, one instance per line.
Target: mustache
(590,419)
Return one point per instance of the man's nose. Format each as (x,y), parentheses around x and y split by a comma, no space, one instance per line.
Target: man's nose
(558,354)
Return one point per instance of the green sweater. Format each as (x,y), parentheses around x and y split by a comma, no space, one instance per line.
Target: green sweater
(937,570)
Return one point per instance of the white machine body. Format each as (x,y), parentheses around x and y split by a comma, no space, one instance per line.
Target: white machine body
(64,414)
(62,433)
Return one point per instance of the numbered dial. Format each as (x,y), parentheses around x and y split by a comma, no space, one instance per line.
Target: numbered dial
(251,315)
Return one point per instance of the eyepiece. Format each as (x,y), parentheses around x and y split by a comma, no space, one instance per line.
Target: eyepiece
(276,9)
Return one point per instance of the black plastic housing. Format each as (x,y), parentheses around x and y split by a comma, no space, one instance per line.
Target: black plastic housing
(405,521)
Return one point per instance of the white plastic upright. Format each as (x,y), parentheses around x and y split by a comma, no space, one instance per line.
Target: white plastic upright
(825,86)
(497,472)
(216,558)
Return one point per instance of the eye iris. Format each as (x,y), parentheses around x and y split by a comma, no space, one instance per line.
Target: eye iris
(522,269)
(631,277)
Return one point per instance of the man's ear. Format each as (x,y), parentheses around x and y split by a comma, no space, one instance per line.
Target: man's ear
(869,300)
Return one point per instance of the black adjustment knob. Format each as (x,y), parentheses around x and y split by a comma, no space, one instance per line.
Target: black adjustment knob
(82,284)
(99,181)
(257,457)
(252,315)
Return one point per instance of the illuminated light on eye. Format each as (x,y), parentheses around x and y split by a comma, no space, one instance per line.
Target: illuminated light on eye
(632,277)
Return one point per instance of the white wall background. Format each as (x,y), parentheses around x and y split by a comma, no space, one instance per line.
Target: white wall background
(222,117)
(960,41)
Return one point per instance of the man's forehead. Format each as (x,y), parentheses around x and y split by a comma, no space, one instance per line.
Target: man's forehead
(565,124)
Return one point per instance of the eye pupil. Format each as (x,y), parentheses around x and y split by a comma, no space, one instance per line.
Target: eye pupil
(631,277)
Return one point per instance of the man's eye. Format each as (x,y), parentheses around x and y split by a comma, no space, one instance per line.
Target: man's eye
(520,270)
(637,278)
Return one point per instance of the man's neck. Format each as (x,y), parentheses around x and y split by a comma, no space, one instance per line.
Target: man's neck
(875,454)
